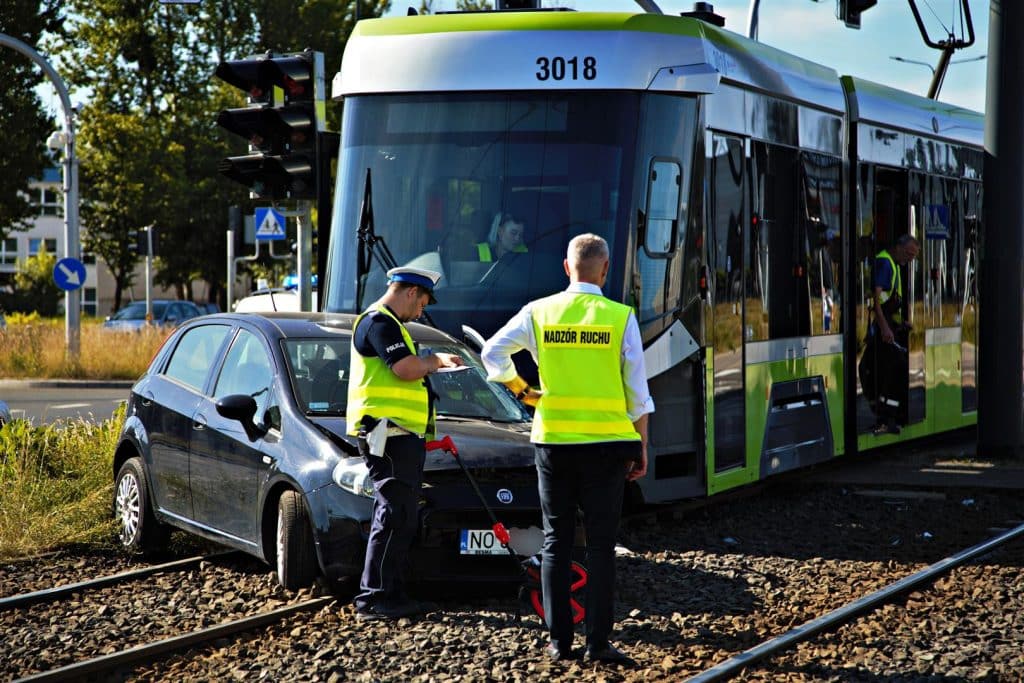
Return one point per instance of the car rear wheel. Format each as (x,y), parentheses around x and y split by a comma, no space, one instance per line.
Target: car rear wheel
(296,562)
(137,528)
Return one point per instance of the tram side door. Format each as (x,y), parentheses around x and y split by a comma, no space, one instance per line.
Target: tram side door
(727,187)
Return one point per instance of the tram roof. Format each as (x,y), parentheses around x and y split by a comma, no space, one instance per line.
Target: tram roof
(891,108)
(482,51)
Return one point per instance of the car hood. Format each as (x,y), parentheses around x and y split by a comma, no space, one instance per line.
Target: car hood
(481,444)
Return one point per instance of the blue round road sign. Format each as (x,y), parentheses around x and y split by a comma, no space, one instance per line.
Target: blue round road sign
(69,274)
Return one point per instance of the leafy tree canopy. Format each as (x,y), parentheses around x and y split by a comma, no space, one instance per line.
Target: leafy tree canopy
(150,155)
(21,113)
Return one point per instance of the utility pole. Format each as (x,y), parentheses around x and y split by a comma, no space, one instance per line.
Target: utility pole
(1000,308)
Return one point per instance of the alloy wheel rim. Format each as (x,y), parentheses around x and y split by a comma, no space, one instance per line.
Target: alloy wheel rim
(280,546)
(128,508)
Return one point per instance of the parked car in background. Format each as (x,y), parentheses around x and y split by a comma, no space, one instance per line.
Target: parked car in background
(276,299)
(166,313)
(209,307)
(237,433)
(5,413)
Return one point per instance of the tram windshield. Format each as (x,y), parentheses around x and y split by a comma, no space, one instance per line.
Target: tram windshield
(487,188)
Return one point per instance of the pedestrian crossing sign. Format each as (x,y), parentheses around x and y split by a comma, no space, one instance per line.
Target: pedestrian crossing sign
(269,224)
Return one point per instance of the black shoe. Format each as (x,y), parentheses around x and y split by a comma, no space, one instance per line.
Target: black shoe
(555,654)
(883,428)
(374,611)
(608,654)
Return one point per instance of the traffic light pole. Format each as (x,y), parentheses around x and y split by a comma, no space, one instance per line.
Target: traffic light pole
(304,235)
(149,273)
(303,216)
(73,298)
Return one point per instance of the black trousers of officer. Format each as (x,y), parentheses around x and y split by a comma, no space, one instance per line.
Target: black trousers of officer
(397,477)
(591,476)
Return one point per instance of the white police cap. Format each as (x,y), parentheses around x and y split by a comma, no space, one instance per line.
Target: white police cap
(427,279)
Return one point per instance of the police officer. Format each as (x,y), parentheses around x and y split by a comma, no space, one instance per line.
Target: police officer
(589,431)
(388,390)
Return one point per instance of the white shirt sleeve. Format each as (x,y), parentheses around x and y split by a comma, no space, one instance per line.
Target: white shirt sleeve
(516,335)
(634,372)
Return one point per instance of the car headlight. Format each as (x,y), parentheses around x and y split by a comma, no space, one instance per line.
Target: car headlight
(352,475)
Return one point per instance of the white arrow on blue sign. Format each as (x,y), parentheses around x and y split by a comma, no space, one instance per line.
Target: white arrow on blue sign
(269,224)
(69,274)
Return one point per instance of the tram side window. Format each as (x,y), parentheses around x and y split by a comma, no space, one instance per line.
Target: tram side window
(821,215)
(942,251)
(781,242)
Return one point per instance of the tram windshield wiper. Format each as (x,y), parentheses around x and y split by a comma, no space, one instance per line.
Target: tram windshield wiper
(372,246)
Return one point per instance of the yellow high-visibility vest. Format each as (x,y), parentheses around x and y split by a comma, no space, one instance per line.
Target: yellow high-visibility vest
(579,350)
(375,390)
(483,251)
(895,285)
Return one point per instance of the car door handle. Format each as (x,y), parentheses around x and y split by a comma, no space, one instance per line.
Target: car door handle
(199,423)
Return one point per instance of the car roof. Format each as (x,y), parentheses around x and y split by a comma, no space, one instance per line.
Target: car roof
(159,301)
(305,324)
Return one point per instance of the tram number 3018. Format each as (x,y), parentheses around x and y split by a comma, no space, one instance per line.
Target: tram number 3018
(560,68)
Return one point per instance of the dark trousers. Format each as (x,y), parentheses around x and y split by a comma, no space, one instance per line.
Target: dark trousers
(591,476)
(884,375)
(397,477)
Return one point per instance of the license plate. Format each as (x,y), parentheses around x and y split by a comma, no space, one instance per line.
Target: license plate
(479,542)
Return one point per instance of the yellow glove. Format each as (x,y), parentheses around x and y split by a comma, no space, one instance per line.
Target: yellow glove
(523,391)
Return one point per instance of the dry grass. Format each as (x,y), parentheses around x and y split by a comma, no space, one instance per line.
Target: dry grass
(36,348)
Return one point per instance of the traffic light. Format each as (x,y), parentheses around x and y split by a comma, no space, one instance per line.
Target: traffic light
(286,113)
(139,241)
(849,10)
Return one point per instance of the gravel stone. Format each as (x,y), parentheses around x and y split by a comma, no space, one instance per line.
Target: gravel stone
(693,589)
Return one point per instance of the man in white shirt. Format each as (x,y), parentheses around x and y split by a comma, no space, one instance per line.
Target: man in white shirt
(589,431)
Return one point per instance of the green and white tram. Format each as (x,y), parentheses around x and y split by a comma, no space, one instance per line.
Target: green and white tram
(743,191)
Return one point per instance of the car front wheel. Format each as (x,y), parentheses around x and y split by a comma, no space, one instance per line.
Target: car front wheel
(137,528)
(296,561)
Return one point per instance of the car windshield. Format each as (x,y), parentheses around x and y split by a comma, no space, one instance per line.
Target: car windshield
(137,311)
(319,373)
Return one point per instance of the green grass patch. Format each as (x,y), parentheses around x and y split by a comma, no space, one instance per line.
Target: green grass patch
(56,484)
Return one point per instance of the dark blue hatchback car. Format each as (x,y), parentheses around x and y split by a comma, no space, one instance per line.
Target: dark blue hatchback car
(237,433)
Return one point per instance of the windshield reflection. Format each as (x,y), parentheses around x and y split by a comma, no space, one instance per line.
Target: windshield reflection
(318,370)
(486,188)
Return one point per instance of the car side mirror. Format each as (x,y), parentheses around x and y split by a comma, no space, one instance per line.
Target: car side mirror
(241,407)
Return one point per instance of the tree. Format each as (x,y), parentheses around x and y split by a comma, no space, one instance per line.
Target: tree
(21,113)
(149,67)
(119,165)
(34,288)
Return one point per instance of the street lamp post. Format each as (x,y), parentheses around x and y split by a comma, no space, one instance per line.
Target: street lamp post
(72,298)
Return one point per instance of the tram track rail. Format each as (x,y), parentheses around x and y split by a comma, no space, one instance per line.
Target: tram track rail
(102,615)
(193,639)
(57,592)
(737,664)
